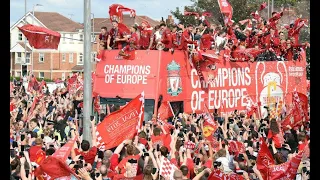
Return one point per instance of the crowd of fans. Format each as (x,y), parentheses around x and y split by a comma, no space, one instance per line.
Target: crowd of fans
(56,119)
(264,40)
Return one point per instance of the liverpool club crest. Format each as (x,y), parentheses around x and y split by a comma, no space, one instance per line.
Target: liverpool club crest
(174,84)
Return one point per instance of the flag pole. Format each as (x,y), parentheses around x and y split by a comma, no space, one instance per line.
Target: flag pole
(174,116)
(87,91)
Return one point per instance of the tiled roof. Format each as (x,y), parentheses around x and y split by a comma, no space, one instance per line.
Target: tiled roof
(57,22)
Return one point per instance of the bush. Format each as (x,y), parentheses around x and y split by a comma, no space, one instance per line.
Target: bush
(39,79)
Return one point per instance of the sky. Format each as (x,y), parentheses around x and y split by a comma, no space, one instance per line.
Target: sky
(73,9)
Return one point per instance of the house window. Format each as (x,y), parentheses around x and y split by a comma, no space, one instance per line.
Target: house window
(81,37)
(63,57)
(63,38)
(41,74)
(71,57)
(41,57)
(20,36)
(80,58)
(28,58)
(18,59)
(63,76)
(71,38)
(93,56)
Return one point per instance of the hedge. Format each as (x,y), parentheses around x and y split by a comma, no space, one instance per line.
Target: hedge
(39,79)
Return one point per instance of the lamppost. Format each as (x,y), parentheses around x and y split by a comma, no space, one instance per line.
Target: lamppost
(33,24)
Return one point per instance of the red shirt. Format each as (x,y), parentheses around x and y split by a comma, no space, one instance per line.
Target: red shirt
(12,106)
(33,151)
(275,139)
(166,38)
(186,39)
(88,156)
(145,36)
(114,161)
(157,140)
(190,166)
(206,41)
(122,164)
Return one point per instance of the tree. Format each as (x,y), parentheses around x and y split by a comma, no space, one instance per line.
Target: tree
(241,9)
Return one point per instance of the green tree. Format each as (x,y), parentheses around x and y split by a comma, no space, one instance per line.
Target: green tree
(241,9)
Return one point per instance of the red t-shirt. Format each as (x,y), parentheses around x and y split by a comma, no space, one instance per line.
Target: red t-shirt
(157,140)
(206,41)
(12,106)
(208,164)
(275,139)
(145,36)
(186,39)
(190,166)
(122,164)
(88,156)
(167,38)
(33,151)
(174,161)
(114,161)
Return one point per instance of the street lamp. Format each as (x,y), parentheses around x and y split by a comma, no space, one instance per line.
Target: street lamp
(32,24)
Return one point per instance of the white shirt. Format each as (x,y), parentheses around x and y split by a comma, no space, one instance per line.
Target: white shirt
(225,163)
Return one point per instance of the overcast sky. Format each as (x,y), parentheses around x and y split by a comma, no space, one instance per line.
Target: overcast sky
(74,8)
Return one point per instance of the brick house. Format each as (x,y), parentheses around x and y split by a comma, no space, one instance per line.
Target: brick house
(47,63)
(68,58)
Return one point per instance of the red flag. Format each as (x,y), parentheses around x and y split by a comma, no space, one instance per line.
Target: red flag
(299,111)
(116,12)
(52,168)
(166,168)
(226,10)
(164,111)
(36,100)
(263,6)
(33,84)
(236,147)
(42,84)
(287,170)
(186,13)
(264,159)
(40,37)
(209,127)
(122,124)
(74,84)
(64,151)
(207,14)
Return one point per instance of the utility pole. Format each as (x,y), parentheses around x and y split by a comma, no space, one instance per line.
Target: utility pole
(268,9)
(87,91)
(25,39)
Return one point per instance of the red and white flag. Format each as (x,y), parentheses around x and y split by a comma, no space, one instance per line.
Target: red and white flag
(121,125)
(75,83)
(54,168)
(64,151)
(227,10)
(287,170)
(167,168)
(236,147)
(299,111)
(264,159)
(165,111)
(40,37)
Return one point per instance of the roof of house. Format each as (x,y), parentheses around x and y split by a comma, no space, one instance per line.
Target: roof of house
(23,45)
(77,68)
(127,20)
(57,22)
